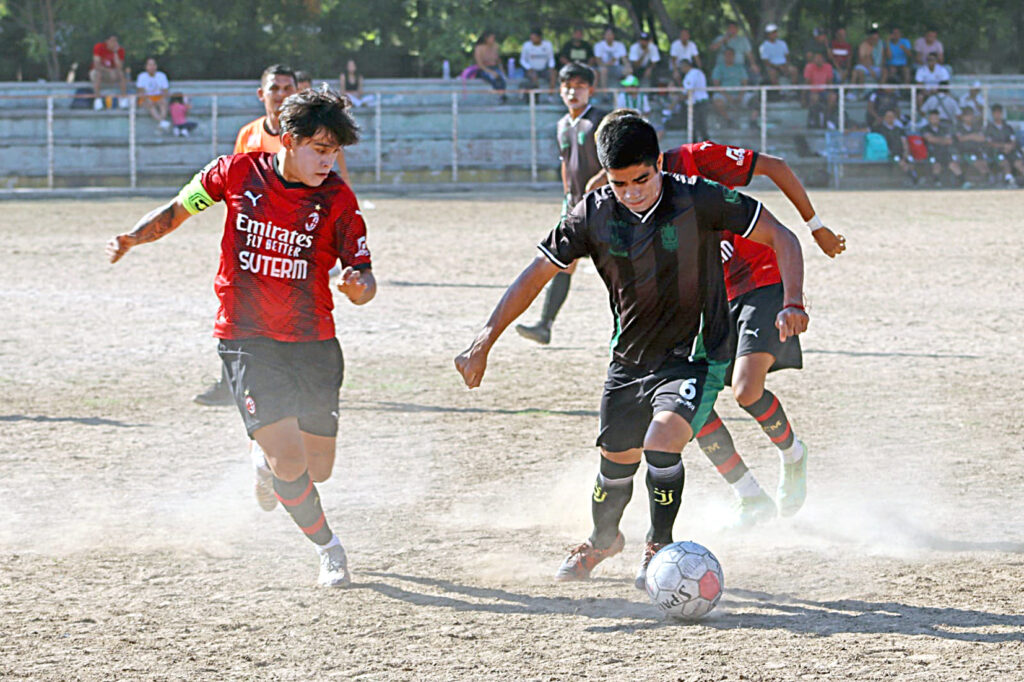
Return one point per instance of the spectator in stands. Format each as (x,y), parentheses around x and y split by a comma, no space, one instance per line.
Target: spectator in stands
(898,56)
(881,100)
(818,43)
(931,75)
(842,52)
(1003,147)
(538,60)
(974,99)
(695,82)
(487,59)
(303,81)
(631,97)
(741,46)
(971,144)
(108,67)
(929,44)
(352,85)
(890,127)
(152,87)
(576,50)
(611,54)
(683,48)
(820,102)
(775,55)
(728,73)
(643,58)
(942,102)
(179,108)
(938,136)
(870,60)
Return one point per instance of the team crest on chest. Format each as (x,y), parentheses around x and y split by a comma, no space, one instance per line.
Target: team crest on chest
(669,237)
(314,219)
(582,137)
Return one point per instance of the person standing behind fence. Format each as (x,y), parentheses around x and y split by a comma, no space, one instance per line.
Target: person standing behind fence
(108,67)
(696,83)
(538,60)
(152,87)
(352,85)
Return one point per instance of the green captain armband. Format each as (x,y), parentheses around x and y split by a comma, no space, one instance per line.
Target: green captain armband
(194,196)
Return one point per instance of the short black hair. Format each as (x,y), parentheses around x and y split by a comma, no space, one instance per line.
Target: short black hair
(995,107)
(277,70)
(536,31)
(302,76)
(624,139)
(576,70)
(307,113)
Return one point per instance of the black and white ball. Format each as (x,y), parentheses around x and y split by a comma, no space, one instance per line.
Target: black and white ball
(685,581)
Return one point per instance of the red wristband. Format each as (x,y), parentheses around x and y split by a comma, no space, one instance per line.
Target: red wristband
(795,305)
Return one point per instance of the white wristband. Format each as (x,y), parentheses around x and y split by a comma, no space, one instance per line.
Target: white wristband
(815,223)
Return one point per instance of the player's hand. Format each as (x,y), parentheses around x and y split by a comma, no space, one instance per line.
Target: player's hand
(829,242)
(351,284)
(471,364)
(118,246)
(791,322)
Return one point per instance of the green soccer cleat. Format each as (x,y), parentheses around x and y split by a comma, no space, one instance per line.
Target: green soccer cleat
(749,511)
(793,485)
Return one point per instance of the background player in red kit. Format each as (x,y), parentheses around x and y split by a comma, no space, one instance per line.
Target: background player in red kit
(289,219)
(754,289)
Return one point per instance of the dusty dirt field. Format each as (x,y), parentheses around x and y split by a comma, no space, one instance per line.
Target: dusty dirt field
(131,548)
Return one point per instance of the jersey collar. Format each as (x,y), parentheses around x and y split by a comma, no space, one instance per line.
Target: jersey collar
(643,218)
(574,121)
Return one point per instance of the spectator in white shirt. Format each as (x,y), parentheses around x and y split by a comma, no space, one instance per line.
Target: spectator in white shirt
(152,87)
(775,55)
(974,99)
(694,81)
(683,48)
(930,76)
(644,57)
(611,59)
(538,60)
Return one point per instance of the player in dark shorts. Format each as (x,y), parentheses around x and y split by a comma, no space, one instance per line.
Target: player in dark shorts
(890,127)
(753,285)
(971,145)
(942,154)
(580,170)
(653,238)
(1003,147)
(289,219)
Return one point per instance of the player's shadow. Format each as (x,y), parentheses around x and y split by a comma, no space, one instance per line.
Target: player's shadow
(85,421)
(493,600)
(894,354)
(443,285)
(390,406)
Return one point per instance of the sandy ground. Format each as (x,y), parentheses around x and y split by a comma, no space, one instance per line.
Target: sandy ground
(131,547)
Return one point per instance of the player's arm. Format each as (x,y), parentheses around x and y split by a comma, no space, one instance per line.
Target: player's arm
(154,225)
(785,179)
(472,362)
(359,285)
(792,319)
(599,178)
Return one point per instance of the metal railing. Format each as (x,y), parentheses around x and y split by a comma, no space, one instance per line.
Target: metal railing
(770,129)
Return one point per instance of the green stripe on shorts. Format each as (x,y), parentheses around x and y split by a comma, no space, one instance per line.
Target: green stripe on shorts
(713,384)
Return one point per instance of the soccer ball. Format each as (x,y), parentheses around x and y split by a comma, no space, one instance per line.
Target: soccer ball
(685,580)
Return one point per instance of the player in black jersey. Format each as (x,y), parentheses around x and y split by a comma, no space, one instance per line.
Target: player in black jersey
(653,238)
(1003,147)
(581,172)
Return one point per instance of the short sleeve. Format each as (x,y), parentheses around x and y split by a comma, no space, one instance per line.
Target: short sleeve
(568,241)
(732,166)
(351,230)
(720,209)
(206,187)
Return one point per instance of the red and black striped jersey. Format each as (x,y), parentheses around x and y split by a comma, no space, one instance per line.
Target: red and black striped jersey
(280,241)
(748,265)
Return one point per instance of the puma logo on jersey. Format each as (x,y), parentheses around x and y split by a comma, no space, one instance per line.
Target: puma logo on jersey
(252,198)
(727,250)
(752,332)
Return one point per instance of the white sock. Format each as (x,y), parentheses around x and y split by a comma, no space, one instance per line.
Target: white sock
(259,460)
(793,453)
(334,542)
(747,486)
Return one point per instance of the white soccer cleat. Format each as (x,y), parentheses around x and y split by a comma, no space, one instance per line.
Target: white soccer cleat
(263,484)
(334,566)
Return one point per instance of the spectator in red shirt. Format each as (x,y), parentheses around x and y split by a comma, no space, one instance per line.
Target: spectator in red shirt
(841,52)
(819,73)
(108,67)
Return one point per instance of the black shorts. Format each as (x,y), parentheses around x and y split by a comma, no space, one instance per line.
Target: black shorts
(942,154)
(272,380)
(632,397)
(753,320)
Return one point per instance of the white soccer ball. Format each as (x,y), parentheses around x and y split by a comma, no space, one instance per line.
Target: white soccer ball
(685,580)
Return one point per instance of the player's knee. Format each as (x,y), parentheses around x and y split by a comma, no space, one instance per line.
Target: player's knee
(746,392)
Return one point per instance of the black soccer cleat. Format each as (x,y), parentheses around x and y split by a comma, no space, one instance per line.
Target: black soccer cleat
(217,395)
(538,333)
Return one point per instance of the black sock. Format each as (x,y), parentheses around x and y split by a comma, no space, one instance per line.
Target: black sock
(302,501)
(768,412)
(555,296)
(612,491)
(716,443)
(665,477)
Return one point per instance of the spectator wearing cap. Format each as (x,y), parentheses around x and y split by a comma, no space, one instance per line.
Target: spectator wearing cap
(775,55)
(538,60)
(682,48)
(695,84)
(898,56)
(974,100)
(870,59)
(644,57)
(631,97)
(610,55)
(576,50)
(929,44)
(842,53)
(740,46)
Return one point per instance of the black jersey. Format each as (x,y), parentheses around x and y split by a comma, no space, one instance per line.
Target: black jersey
(663,270)
(1000,134)
(961,131)
(893,137)
(578,150)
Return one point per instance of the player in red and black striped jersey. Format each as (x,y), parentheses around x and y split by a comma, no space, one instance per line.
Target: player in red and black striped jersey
(289,219)
(753,283)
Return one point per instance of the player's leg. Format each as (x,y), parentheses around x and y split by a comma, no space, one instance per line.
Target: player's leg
(753,503)
(554,296)
(320,374)
(320,453)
